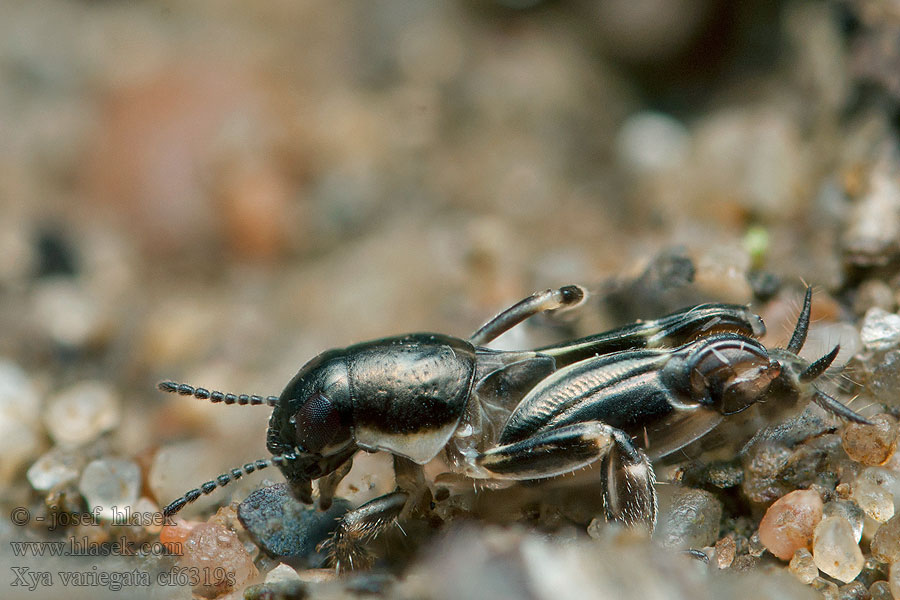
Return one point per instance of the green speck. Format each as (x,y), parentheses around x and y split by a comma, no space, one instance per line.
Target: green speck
(756,243)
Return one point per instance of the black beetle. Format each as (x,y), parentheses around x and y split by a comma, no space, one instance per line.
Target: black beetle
(620,399)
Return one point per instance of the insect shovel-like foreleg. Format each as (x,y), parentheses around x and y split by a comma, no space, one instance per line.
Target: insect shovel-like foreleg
(627,475)
(347,546)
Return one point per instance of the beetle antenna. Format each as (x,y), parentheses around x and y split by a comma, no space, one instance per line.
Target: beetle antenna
(224,479)
(838,409)
(798,338)
(820,366)
(173,387)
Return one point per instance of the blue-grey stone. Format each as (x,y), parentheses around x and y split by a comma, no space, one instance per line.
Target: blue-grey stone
(283,527)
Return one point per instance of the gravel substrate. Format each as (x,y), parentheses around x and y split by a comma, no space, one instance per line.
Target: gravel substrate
(216,192)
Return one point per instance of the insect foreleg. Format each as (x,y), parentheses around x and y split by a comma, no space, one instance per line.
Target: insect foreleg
(346,547)
(328,484)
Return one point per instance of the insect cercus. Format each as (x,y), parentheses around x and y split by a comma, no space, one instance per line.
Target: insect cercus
(618,400)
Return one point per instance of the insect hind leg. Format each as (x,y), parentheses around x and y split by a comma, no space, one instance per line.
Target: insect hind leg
(627,480)
(627,477)
(565,297)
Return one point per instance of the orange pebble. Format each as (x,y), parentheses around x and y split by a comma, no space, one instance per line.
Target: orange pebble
(871,444)
(174,536)
(789,523)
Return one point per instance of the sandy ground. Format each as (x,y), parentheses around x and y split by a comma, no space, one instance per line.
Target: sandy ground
(215,192)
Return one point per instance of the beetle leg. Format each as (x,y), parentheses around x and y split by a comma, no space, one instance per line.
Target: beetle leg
(627,476)
(410,477)
(549,453)
(328,484)
(346,547)
(628,479)
(670,331)
(301,489)
(564,297)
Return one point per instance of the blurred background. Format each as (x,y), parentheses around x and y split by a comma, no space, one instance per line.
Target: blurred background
(215,192)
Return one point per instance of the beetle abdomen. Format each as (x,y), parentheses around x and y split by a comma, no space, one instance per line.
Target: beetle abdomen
(410,400)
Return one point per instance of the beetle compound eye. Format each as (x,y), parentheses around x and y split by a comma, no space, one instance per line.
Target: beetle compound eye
(316,423)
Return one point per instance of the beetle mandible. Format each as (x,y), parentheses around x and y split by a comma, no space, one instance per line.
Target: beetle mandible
(620,399)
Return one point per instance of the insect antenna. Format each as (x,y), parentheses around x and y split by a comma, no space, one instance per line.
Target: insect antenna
(224,479)
(798,338)
(173,387)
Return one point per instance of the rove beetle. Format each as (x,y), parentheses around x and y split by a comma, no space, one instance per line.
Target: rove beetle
(620,399)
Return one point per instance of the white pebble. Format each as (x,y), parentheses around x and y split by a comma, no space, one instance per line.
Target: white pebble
(874,491)
(835,550)
(803,567)
(180,467)
(110,486)
(148,515)
(19,443)
(80,413)
(19,418)
(850,511)
(880,330)
(19,399)
(282,573)
(56,467)
(872,228)
(650,142)
(66,312)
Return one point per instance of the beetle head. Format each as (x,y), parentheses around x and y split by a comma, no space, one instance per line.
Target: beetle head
(311,422)
(309,434)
